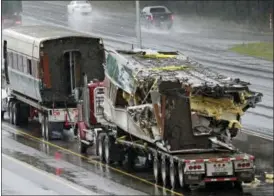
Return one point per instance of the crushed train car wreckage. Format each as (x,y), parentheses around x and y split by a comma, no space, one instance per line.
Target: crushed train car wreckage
(156,87)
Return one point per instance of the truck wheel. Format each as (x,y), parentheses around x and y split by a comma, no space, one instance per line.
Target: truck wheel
(108,146)
(11,112)
(164,171)
(156,168)
(181,176)
(83,147)
(100,144)
(45,128)
(131,158)
(173,174)
(16,110)
(24,114)
(2,114)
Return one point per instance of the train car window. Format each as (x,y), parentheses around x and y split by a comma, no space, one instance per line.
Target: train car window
(29,66)
(34,68)
(25,65)
(20,63)
(15,61)
(10,59)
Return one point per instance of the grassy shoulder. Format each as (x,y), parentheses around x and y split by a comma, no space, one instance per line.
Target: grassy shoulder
(261,50)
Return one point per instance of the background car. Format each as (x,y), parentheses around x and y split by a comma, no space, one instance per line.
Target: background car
(79,7)
(156,16)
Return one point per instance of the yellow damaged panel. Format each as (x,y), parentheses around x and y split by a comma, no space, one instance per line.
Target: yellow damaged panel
(169,68)
(215,107)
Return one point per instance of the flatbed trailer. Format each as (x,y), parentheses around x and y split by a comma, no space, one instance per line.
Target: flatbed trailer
(170,168)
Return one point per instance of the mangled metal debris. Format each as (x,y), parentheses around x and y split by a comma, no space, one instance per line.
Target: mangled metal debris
(171,97)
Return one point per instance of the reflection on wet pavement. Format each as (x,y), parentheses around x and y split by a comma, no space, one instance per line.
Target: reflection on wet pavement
(95,176)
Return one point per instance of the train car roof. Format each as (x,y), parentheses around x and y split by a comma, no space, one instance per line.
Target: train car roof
(143,64)
(40,33)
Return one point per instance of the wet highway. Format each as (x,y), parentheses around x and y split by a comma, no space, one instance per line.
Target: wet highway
(86,173)
(23,179)
(205,43)
(61,159)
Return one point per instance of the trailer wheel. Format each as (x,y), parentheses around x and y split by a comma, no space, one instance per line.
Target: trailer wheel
(10,106)
(101,138)
(164,171)
(131,159)
(2,115)
(24,114)
(156,168)
(173,173)
(181,176)
(108,146)
(16,110)
(45,128)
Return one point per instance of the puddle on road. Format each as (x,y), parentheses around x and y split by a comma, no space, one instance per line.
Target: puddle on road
(80,171)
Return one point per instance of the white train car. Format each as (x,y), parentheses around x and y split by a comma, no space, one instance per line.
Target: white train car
(43,68)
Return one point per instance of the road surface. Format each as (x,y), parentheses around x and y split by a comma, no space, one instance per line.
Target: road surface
(62,158)
(19,178)
(208,46)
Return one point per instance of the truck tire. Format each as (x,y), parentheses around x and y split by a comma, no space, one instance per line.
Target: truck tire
(16,113)
(45,128)
(164,171)
(2,115)
(131,158)
(156,168)
(24,114)
(82,146)
(173,173)
(108,146)
(10,106)
(181,176)
(100,144)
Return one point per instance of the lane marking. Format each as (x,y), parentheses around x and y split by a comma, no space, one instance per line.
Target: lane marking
(92,160)
(49,175)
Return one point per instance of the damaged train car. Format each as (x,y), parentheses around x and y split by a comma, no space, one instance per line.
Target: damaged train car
(170,98)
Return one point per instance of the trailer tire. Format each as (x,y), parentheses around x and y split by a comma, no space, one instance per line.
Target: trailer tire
(10,110)
(156,168)
(182,176)
(101,138)
(131,157)
(164,171)
(16,113)
(2,115)
(10,106)
(108,146)
(24,114)
(45,128)
(173,174)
